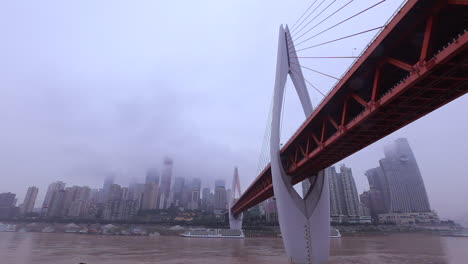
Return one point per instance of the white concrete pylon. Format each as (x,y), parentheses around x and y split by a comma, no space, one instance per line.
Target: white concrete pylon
(235,222)
(304,222)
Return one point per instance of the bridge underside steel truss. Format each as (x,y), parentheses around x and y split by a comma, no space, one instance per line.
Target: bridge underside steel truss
(417,64)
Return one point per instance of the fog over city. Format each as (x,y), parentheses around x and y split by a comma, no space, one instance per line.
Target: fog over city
(97,87)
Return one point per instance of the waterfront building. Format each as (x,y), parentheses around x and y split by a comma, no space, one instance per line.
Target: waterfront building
(120,210)
(115,192)
(336,194)
(108,181)
(407,192)
(409,218)
(351,198)
(84,193)
(205,198)
(7,204)
(53,187)
(178,191)
(29,200)
(165,185)
(152,176)
(71,194)
(56,204)
(194,203)
(377,198)
(220,199)
(150,196)
(271,211)
(125,194)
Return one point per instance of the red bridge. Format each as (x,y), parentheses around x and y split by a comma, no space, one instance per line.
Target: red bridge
(418,63)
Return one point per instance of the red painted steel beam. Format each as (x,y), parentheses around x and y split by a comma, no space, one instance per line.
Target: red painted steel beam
(420,74)
(399,64)
(430,85)
(457,2)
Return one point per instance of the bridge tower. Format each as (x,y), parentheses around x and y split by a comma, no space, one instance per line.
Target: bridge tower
(304,221)
(235,222)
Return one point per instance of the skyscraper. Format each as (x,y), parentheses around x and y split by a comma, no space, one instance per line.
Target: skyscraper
(150,196)
(336,193)
(194,203)
(72,194)
(108,181)
(178,191)
(30,200)
(205,198)
(7,204)
(377,198)
(152,176)
(350,193)
(220,195)
(53,187)
(56,204)
(115,192)
(406,189)
(165,185)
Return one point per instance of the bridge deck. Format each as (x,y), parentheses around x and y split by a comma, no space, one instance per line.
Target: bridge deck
(417,64)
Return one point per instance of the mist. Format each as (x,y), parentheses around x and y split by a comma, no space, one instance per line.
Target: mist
(90,88)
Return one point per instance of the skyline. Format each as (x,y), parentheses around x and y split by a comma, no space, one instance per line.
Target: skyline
(86,92)
(153,172)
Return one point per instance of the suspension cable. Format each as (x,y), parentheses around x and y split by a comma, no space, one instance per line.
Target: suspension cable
(339,23)
(324,74)
(303,14)
(308,15)
(313,86)
(349,36)
(314,18)
(339,9)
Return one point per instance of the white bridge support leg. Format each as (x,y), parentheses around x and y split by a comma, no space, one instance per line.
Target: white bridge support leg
(235,223)
(304,222)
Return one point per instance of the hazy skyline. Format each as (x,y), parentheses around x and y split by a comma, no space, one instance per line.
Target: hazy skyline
(90,88)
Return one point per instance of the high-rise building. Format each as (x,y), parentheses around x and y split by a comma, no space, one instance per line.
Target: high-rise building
(178,191)
(271,211)
(72,194)
(152,176)
(150,196)
(350,193)
(120,209)
(336,192)
(108,181)
(7,204)
(165,185)
(115,192)
(7,199)
(406,189)
(53,187)
(205,198)
(220,199)
(344,199)
(377,198)
(194,203)
(84,193)
(56,204)
(29,200)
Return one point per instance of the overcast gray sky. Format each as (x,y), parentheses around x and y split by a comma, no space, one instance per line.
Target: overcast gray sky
(93,87)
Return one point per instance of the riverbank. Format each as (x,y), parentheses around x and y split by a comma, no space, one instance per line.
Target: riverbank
(176,230)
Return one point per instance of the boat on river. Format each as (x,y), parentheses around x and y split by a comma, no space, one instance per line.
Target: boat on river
(214,233)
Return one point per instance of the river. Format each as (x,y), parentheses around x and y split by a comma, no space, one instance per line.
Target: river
(42,248)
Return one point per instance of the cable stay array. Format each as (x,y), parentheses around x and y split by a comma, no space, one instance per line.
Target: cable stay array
(311,25)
